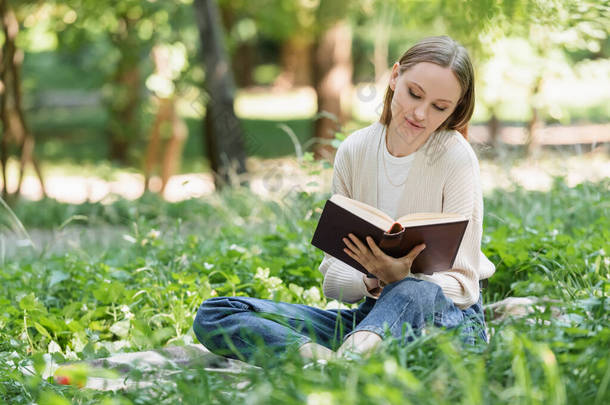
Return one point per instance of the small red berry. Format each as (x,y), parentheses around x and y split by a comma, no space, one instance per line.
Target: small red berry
(62,380)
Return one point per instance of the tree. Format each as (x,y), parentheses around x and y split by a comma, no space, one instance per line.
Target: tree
(316,42)
(168,127)
(129,29)
(14,126)
(542,32)
(332,79)
(223,138)
(287,22)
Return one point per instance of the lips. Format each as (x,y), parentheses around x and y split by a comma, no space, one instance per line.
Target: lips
(413,124)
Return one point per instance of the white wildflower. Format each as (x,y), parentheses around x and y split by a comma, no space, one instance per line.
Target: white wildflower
(390,366)
(320,398)
(312,294)
(70,355)
(77,344)
(272,283)
(127,312)
(237,248)
(53,347)
(121,328)
(262,274)
(153,234)
(129,238)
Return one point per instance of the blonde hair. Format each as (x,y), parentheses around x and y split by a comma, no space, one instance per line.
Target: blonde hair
(445,52)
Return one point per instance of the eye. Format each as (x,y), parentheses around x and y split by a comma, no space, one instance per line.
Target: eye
(439,108)
(415,96)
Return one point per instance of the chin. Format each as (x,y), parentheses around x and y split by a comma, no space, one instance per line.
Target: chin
(411,136)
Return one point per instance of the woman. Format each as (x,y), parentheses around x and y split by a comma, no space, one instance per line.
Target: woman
(412,160)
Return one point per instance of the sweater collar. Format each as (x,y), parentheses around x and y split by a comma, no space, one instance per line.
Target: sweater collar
(427,154)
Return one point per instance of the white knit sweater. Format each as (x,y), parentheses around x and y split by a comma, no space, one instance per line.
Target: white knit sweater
(444,177)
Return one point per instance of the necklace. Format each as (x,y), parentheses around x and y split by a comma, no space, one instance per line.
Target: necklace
(385,169)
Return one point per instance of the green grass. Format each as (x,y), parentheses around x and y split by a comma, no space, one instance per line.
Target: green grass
(143,291)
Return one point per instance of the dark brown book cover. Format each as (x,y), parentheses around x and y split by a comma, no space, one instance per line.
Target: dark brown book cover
(442,240)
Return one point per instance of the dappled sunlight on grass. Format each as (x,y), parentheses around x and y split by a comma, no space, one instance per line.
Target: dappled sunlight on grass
(141,288)
(275,178)
(505,171)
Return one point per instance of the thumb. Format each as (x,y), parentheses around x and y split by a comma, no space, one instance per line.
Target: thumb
(416,251)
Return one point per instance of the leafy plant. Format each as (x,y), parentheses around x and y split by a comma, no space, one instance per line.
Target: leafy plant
(142,290)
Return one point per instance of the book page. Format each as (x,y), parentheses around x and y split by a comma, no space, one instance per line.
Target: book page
(367,212)
(429,218)
(383,221)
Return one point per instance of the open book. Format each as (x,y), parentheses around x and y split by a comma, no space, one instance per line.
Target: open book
(441,232)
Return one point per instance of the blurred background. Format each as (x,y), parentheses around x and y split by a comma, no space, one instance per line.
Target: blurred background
(157,153)
(104,100)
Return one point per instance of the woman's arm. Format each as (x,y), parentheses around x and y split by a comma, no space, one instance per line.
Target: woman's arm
(462,194)
(341,281)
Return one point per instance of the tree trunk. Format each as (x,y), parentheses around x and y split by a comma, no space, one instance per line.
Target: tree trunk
(223,135)
(167,120)
(333,78)
(243,64)
(14,127)
(493,126)
(296,63)
(168,132)
(532,143)
(125,98)
(172,158)
(154,142)
(382,42)
(533,126)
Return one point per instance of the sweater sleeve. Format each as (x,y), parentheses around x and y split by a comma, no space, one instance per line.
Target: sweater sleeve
(462,194)
(341,281)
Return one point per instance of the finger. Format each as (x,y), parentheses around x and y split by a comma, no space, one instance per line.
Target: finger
(374,248)
(358,258)
(350,245)
(416,251)
(352,255)
(357,242)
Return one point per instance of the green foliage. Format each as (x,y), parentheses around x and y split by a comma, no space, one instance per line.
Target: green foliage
(86,62)
(82,137)
(143,291)
(549,243)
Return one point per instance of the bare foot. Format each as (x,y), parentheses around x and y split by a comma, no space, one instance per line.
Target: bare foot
(362,343)
(314,351)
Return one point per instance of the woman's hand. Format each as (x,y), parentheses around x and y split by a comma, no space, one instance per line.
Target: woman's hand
(386,268)
(372,285)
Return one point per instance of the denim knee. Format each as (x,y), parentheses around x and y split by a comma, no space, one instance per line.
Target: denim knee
(419,293)
(207,323)
(201,326)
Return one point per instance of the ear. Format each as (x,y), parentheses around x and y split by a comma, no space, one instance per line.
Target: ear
(394,76)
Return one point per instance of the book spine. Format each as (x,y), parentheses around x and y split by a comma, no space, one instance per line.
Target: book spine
(391,241)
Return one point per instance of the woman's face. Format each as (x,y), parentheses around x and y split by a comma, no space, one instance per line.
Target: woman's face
(425,95)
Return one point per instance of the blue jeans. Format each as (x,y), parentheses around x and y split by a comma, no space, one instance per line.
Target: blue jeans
(239,327)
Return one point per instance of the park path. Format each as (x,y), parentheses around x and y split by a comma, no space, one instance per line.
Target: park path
(579,153)
(276,178)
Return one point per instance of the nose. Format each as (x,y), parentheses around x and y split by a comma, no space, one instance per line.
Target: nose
(420,112)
